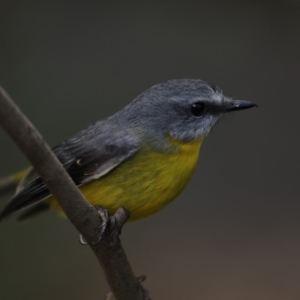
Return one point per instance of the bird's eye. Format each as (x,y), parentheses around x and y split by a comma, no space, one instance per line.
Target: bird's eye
(197,108)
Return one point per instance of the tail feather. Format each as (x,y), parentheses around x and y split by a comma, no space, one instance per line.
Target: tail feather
(33,211)
(7,184)
(10,183)
(20,201)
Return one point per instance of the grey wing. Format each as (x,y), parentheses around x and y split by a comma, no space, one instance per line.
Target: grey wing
(87,156)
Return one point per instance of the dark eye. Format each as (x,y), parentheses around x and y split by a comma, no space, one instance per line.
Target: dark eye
(197,108)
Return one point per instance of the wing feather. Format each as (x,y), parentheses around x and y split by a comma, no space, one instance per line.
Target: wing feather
(89,155)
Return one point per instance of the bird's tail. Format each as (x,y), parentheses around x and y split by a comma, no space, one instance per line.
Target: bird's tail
(10,183)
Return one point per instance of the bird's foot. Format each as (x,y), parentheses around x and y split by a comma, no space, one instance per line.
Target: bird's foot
(113,224)
(106,220)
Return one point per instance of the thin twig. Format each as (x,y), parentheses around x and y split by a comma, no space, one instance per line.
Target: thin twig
(83,216)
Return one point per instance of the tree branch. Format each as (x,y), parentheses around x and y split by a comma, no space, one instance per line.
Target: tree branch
(81,213)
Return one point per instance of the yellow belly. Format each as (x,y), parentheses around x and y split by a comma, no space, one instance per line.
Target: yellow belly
(145,183)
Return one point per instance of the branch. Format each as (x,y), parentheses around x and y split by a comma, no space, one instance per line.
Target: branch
(81,213)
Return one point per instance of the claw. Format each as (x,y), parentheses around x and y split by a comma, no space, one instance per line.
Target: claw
(113,221)
(103,212)
(82,240)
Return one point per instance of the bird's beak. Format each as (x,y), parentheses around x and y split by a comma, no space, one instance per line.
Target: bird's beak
(232,105)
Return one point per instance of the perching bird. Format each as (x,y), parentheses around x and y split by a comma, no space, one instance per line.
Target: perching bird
(140,158)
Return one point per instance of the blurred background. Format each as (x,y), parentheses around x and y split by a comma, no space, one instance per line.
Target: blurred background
(234,232)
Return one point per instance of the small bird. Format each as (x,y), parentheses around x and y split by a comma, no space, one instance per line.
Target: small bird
(141,157)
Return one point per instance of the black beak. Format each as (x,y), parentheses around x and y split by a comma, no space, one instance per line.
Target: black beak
(237,105)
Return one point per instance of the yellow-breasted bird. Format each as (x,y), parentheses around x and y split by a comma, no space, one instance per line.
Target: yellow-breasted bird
(140,158)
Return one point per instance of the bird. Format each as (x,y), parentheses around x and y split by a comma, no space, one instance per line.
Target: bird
(140,158)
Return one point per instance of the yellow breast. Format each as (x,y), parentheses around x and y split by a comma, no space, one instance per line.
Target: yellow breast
(145,183)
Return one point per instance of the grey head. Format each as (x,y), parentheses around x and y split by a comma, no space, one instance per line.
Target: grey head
(185,109)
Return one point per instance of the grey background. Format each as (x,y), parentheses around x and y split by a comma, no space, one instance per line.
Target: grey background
(234,232)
